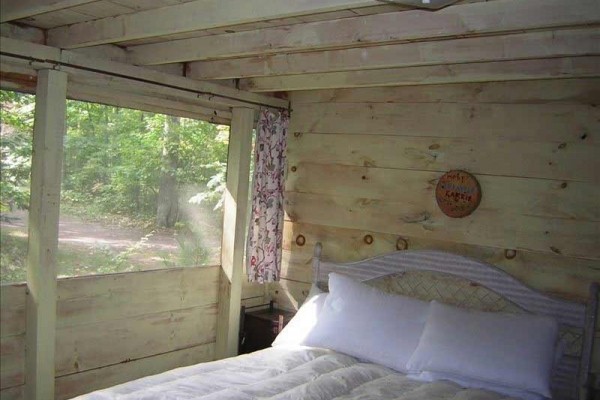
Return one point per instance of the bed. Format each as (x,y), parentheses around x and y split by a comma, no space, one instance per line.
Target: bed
(450,285)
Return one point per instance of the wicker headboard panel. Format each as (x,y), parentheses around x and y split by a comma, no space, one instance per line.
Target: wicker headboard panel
(468,283)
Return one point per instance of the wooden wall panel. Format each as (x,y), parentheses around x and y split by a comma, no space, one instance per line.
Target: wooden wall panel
(13,393)
(12,341)
(12,349)
(254,294)
(366,161)
(12,318)
(109,333)
(85,300)
(529,122)
(118,327)
(575,238)
(69,386)
(94,345)
(536,197)
(545,160)
(563,276)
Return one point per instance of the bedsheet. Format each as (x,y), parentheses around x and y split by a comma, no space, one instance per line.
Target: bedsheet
(280,373)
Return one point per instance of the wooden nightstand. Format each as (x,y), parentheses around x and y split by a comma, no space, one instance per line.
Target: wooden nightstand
(259,328)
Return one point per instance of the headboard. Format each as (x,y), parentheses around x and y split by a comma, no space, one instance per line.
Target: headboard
(470,283)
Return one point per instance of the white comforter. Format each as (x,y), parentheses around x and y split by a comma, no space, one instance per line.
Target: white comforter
(287,373)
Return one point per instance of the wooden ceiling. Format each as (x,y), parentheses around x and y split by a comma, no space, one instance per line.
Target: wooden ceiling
(267,45)
(87,10)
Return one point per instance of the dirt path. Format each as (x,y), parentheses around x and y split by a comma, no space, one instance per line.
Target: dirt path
(76,232)
(143,250)
(130,248)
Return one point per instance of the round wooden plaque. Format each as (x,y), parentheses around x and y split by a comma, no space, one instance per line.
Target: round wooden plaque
(458,193)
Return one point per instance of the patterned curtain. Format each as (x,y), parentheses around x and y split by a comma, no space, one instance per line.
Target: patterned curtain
(266,220)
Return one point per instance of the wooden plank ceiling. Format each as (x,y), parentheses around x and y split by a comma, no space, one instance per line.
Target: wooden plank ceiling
(268,46)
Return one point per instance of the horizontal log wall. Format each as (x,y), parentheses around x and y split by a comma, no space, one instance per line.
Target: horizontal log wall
(12,341)
(366,162)
(115,328)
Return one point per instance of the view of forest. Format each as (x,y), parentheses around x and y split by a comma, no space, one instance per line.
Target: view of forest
(139,190)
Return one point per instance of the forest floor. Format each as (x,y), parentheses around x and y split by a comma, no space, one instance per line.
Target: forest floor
(78,232)
(89,247)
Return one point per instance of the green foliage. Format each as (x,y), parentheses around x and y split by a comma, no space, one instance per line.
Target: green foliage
(112,166)
(113,157)
(215,187)
(71,260)
(12,257)
(15,149)
(17,110)
(192,253)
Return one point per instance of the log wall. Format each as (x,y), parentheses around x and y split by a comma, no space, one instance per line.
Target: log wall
(366,162)
(115,328)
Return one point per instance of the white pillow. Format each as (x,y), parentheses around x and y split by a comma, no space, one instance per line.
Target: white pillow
(514,350)
(296,331)
(366,323)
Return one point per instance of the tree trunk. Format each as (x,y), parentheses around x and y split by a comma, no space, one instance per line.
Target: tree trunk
(168,198)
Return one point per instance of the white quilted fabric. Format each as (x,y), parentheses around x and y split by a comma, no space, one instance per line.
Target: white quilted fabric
(280,373)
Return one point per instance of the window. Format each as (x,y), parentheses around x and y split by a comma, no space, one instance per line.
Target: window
(16,133)
(139,190)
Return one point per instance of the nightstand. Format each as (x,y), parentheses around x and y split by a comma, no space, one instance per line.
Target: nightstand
(259,328)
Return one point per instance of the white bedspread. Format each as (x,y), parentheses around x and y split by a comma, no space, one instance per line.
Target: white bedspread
(287,373)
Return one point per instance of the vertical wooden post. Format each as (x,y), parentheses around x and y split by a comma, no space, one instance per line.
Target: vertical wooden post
(48,132)
(234,231)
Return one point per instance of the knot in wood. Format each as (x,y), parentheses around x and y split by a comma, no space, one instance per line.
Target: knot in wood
(401,244)
(300,240)
(509,254)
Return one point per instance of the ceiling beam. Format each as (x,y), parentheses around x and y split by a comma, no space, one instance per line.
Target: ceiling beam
(12,10)
(22,32)
(550,68)
(205,91)
(482,18)
(21,76)
(539,44)
(36,35)
(192,16)
(119,98)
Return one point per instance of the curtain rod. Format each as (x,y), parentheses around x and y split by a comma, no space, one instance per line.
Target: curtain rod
(148,81)
(420,4)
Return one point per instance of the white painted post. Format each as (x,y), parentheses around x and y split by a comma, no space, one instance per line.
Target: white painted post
(48,132)
(234,231)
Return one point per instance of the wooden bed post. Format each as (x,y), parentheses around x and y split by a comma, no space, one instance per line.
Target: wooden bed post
(46,166)
(234,232)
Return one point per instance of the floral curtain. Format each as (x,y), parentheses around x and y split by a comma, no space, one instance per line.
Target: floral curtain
(266,220)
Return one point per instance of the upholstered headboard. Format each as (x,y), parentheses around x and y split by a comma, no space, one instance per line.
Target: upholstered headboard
(469,283)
